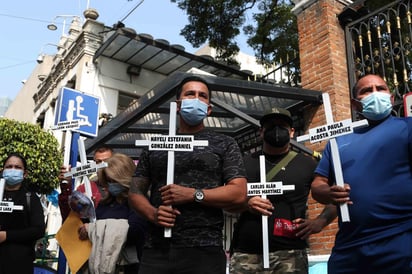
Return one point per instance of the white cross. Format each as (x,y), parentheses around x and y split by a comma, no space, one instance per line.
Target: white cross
(171,143)
(85,170)
(80,173)
(68,127)
(7,207)
(329,132)
(263,189)
(2,183)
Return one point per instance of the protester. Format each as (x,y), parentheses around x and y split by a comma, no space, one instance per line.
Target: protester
(288,227)
(118,234)
(376,166)
(24,225)
(99,191)
(206,181)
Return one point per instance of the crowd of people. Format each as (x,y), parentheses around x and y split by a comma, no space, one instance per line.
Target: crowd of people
(134,205)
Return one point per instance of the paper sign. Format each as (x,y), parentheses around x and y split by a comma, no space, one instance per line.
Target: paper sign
(8,207)
(273,188)
(176,143)
(84,170)
(77,251)
(334,130)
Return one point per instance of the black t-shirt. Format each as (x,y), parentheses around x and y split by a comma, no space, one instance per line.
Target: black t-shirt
(289,206)
(206,167)
(24,225)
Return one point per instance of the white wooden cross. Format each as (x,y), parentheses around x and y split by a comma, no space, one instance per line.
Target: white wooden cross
(329,132)
(81,173)
(171,143)
(2,183)
(263,189)
(7,207)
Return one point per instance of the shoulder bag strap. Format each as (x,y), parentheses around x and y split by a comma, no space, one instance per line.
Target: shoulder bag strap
(284,162)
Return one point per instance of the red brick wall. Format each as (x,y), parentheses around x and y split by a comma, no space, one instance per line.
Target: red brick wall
(323,66)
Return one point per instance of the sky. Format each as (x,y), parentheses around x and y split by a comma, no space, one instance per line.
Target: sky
(25,35)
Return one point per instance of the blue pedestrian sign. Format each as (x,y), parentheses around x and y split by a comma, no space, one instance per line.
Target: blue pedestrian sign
(77,111)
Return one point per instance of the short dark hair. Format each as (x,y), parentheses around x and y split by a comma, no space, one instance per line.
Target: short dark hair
(355,86)
(103,148)
(355,89)
(18,155)
(192,78)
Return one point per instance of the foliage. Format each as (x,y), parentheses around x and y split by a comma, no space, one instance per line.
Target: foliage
(273,33)
(269,25)
(275,38)
(39,147)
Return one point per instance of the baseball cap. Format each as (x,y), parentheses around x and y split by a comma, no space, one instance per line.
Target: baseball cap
(276,112)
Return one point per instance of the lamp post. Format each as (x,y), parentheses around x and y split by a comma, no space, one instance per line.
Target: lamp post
(40,57)
(52,26)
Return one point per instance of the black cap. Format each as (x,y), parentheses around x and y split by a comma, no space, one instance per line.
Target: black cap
(280,113)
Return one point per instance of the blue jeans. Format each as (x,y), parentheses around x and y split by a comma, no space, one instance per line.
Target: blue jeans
(199,260)
(391,255)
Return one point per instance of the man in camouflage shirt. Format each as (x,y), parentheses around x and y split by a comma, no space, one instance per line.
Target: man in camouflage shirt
(206,181)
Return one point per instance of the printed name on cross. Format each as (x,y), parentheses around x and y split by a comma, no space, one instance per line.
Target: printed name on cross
(185,146)
(79,168)
(162,145)
(6,209)
(319,137)
(271,191)
(330,131)
(157,139)
(171,138)
(255,186)
(170,146)
(180,139)
(84,172)
(340,131)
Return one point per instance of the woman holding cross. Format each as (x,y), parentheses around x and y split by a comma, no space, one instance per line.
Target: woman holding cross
(21,219)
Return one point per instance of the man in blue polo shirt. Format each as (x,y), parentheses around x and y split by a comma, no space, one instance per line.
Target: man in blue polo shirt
(376,168)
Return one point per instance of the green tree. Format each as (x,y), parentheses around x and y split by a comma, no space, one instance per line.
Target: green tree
(39,147)
(272,31)
(269,25)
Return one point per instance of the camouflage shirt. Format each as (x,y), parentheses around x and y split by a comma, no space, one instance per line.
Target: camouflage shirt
(204,168)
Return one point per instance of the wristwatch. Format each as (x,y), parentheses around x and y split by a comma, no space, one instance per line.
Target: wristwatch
(199,195)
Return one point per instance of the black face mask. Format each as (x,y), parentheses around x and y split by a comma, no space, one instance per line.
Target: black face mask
(277,136)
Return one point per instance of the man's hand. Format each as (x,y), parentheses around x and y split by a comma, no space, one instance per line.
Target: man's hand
(83,235)
(3,236)
(326,194)
(259,205)
(340,195)
(174,194)
(165,216)
(306,227)
(63,170)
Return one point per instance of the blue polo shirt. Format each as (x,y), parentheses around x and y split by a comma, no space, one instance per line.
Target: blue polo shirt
(376,164)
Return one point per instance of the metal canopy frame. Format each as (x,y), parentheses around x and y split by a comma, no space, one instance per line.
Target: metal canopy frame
(159,56)
(237,104)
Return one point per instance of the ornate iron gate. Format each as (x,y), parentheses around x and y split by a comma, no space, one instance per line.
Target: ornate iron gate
(380,43)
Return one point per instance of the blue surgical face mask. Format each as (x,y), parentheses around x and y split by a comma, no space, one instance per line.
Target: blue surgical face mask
(193,111)
(13,176)
(376,106)
(115,188)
